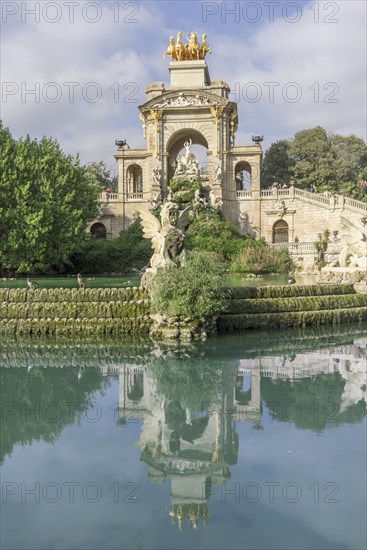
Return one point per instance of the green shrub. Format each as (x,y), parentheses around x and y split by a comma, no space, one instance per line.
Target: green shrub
(259,257)
(183,189)
(192,290)
(210,232)
(129,250)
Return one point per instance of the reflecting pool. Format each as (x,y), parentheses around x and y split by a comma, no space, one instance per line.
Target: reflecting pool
(254,441)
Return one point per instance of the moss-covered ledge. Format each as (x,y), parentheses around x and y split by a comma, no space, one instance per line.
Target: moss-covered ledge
(291,306)
(128,311)
(73,311)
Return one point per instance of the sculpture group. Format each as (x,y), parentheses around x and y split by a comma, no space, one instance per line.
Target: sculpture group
(192,51)
(187,164)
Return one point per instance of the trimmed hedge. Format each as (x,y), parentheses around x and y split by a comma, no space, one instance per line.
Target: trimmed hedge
(289,291)
(300,303)
(230,323)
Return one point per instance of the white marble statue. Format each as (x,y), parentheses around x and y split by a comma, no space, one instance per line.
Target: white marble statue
(157,177)
(167,235)
(215,201)
(218,176)
(187,164)
(354,243)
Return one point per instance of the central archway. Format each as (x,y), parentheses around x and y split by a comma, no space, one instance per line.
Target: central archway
(176,143)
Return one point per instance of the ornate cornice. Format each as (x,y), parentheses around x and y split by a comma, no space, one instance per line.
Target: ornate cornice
(184,99)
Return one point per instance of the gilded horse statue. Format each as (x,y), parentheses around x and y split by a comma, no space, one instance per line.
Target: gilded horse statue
(193,47)
(180,48)
(192,51)
(171,50)
(204,48)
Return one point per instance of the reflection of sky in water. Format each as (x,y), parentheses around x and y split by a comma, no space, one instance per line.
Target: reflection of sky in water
(259,425)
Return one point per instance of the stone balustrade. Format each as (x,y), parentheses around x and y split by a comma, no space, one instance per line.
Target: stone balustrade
(135,197)
(244,194)
(296,248)
(329,201)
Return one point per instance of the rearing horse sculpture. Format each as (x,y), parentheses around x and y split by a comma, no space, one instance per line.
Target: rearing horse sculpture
(204,49)
(180,48)
(193,47)
(171,50)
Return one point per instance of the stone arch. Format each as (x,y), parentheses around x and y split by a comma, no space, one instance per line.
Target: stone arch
(280,232)
(136,387)
(242,396)
(176,142)
(243,175)
(134,178)
(98,231)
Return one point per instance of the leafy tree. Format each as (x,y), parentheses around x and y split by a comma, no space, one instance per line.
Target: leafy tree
(351,165)
(277,163)
(47,200)
(102,176)
(328,162)
(313,159)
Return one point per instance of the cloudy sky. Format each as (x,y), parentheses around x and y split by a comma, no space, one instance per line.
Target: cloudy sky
(77,70)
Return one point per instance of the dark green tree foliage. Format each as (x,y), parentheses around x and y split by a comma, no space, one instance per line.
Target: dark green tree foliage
(129,250)
(277,163)
(102,175)
(25,416)
(47,199)
(315,402)
(313,159)
(328,162)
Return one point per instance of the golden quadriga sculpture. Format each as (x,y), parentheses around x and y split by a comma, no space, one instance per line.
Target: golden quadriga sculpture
(192,51)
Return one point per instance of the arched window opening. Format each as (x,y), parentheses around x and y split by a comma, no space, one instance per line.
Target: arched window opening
(243,175)
(136,387)
(280,232)
(176,146)
(135,179)
(98,231)
(243,389)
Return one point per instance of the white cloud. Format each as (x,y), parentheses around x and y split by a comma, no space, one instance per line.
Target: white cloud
(115,54)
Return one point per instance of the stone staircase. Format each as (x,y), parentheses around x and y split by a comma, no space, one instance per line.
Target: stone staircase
(291,306)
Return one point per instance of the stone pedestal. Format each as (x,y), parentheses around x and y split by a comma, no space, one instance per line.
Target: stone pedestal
(189,74)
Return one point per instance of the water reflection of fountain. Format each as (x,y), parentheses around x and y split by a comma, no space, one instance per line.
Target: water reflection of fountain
(195,446)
